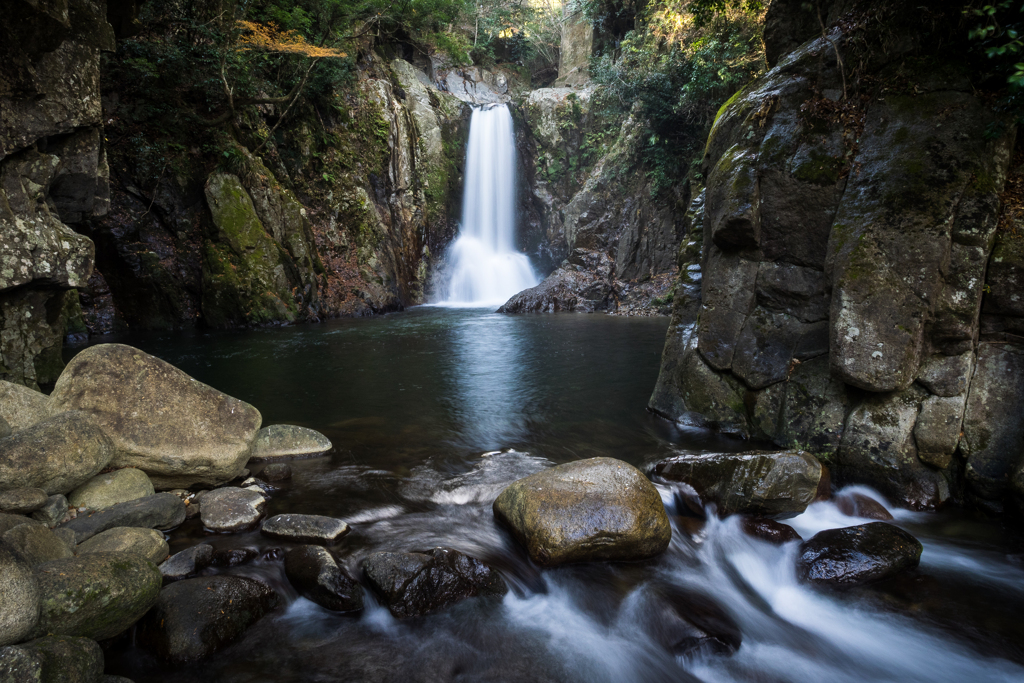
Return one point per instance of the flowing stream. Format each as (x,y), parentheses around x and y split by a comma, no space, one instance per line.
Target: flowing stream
(485,268)
(433,411)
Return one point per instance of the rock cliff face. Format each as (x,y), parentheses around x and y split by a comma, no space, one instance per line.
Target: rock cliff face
(53,174)
(852,285)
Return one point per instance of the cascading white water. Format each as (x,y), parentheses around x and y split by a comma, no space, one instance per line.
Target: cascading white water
(486,269)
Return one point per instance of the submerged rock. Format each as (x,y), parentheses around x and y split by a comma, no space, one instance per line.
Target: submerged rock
(859,505)
(19,611)
(36,543)
(96,596)
(857,554)
(52,659)
(231,509)
(190,434)
(305,528)
(145,543)
(596,509)
(755,482)
(187,562)
(105,490)
(288,441)
(313,571)
(196,617)
(277,471)
(232,557)
(22,501)
(22,407)
(159,511)
(687,623)
(769,530)
(414,584)
(56,454)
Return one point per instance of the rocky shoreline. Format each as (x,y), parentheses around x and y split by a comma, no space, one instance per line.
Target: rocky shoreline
(127,448)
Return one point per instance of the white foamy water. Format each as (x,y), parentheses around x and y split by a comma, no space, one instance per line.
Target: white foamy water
(486,269)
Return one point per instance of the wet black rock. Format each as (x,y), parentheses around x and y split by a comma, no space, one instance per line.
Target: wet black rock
(160,511)
(414,584)
(305,528)
(313,571)
(232,557)
(687,623)
(859,505)
(194,618)
(187,562)
(53,659)
(858,554)
(769,530)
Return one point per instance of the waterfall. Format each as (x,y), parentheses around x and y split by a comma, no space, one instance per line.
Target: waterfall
(486,269)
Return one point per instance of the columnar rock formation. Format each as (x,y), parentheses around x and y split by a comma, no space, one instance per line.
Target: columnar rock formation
(850,285)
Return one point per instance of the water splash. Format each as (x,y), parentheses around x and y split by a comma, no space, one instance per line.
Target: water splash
(486,268)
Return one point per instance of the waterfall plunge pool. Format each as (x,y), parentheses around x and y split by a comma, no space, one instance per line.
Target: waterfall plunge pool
(420,406)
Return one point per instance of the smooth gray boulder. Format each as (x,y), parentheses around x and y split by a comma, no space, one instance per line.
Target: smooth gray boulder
(159,511)
(769,483)
(148,544)
(196,617)
(19,613)
(105,490)
(595,509)
(36,543)
(231,509)
(96,596)
(52,659)
(288,441)
(56,454)
(22,407)
(187,563)
(22,501)
(414,584)
(53,511)
(178,430)
(315,529)
(858,554)
(313,572)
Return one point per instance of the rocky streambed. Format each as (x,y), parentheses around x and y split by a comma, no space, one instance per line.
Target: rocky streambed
(153,527)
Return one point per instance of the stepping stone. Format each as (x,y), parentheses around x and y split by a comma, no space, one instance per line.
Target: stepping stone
(315,529)
(231,509)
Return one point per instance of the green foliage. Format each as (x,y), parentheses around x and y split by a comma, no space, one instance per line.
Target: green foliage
(1000,33)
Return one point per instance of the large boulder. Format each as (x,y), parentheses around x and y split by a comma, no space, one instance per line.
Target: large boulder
(22,501)
(52,659)
(769,483)
(305,528)
(105,490)
(595,509)
(231,509)
(147,544)
(36,544)
(288,441)
(177,430)
(159,511)
(19,612)
(313,571)
(96,596)
(8,522)
(857,554)
(55,455)
(22,407)
(414,584)
(196,617)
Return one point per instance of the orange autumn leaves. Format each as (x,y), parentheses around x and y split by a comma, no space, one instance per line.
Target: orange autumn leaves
(269,37)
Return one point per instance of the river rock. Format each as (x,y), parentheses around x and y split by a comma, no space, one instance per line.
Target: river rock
(315,529)
(687,623)
(596,509)
(55,455)
(769,530)
(53,511)
(97,595)
(10,521)
(22,501)
(277,471)
(105,490)
(19,611)
(288,441)
(196,617)
(414,584)
(177,430)
(232,557)
(159,511)
(857,554)
(313,571)
(67,537)
(859,505)
(755,482)
(145,543)
(5,429)
(187,563)
(52,659)
(22,407)
(231,509)
(36,543)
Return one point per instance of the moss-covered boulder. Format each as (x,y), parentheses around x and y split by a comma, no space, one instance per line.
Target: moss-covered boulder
(55,455)
(105,490)
(595,509)
(178,431)
(148,544)
(96,596)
